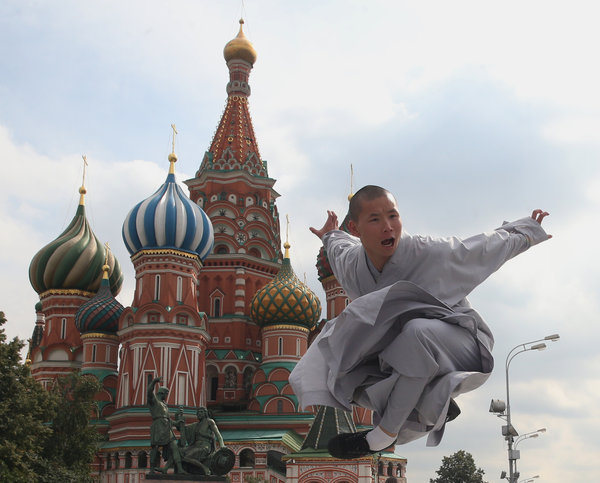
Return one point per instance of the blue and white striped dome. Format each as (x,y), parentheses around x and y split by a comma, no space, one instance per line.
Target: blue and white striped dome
(168,219)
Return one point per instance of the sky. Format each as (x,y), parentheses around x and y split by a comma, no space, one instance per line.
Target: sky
(470,112)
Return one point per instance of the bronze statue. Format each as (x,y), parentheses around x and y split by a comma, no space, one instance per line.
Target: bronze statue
(203,450)
(161,431)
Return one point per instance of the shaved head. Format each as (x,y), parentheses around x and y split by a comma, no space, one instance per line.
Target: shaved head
(366,193)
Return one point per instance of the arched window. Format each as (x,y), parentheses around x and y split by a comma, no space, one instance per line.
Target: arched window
(217,307)
(116,461)
(63,328)
(247,458)
(212,378)
(179,289)
(279,406)
(157,287)
(94,353)
(390,469)
(298,346)
(280,346)
(142,459)
(109,462)
(222,250)
(127,460)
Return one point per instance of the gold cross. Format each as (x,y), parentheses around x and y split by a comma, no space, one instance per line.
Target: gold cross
(287,228)
(85,163)
(174,133)
(107,249)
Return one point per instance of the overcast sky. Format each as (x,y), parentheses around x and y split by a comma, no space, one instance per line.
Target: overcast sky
(471,112)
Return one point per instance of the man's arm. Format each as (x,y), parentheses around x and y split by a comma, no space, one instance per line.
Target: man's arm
(150,393)
(450,268)
(216,432)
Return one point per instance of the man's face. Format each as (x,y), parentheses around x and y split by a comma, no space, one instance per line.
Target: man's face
(202,414)
(162,394)
(379,228)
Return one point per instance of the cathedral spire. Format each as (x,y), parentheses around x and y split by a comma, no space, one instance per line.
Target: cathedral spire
(234,146)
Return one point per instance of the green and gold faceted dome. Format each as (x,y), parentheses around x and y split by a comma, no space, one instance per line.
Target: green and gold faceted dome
(285,300)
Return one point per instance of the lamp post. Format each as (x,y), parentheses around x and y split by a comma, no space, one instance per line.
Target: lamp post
(503,409)
(523,437)
(529,480)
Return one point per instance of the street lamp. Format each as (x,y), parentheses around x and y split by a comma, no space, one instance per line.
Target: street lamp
(533,434)
(529,480)
(503,409)
(523,437)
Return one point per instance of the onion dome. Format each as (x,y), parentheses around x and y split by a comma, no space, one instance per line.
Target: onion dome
(101,313)
(168,220)
(285,300)
(323,266)
(74,260)
(240,48)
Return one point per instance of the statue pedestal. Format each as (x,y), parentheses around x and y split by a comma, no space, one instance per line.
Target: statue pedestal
(179,478)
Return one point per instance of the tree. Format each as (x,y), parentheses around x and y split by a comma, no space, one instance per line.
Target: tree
(73,442)
(25,407)
(459,468)
(46,436)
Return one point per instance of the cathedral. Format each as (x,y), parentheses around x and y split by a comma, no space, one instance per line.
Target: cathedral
(218,313)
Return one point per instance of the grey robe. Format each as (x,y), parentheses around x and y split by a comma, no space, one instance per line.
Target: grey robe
(425,278)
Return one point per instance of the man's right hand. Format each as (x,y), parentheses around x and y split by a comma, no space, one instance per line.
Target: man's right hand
(330,224)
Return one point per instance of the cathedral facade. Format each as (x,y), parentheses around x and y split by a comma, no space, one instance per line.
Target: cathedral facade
(218,314)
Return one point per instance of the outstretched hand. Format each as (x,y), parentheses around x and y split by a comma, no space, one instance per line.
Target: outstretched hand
(539,215)
(330,224)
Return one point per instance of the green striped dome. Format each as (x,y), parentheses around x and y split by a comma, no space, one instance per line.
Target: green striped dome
(285,300)
(74,261)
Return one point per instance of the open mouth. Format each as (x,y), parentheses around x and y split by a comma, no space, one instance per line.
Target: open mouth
(388,242)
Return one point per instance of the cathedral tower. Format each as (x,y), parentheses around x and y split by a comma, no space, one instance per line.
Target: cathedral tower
(66,273)
(163,333)
(233,187)
(287,310)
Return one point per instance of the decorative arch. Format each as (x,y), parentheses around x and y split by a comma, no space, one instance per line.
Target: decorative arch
(247,458)
(272,406)
(212,382)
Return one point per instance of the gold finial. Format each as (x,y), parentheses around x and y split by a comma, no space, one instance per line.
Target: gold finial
(82,190)
(351,182)
(173,156)
(106,267)
(287,245)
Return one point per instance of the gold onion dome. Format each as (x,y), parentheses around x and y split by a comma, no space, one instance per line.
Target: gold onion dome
(285,300)
(240,48)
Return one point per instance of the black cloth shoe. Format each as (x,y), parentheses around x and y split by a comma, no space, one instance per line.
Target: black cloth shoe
(347,446)
(453,411)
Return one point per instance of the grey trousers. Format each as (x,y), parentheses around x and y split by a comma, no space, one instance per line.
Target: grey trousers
(423,351)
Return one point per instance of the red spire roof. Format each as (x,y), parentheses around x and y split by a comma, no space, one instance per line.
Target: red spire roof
(234,145)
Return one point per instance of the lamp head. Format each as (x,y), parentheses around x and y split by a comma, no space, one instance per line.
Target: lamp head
(497,406)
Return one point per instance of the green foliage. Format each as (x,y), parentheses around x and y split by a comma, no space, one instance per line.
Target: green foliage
(24,408)
(46,436)
(73,441)
(459,468)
